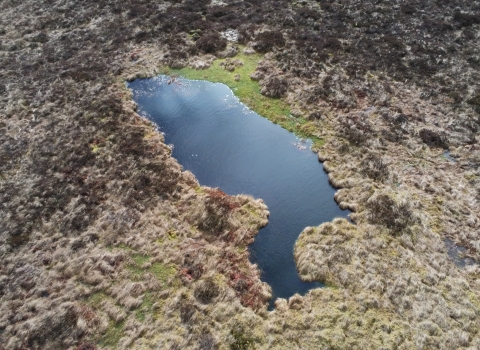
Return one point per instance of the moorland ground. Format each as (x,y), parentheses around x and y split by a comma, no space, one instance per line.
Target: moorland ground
(107,243)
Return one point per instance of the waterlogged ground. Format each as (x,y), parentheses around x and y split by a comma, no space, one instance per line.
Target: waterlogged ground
(227,145)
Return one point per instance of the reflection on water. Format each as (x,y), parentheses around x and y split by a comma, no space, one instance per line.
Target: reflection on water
(226,145)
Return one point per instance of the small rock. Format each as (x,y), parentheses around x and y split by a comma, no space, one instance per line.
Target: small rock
(230,35)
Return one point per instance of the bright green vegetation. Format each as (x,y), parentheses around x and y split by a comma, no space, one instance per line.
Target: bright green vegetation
(248,91)
(96,298)
(162,272)
(145,308)
(136,269)
(112,335)
(115,329)
(172,234)
(140,259)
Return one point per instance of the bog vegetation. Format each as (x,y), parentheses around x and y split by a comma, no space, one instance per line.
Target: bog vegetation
(106,243)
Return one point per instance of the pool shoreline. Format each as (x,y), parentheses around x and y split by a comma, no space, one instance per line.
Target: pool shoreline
(188,144)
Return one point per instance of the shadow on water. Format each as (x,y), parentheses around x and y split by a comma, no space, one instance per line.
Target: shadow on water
(226,145)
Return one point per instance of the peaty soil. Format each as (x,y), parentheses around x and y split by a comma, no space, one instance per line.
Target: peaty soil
(105,242)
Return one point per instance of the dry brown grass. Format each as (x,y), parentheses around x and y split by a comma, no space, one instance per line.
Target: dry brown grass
(105,240)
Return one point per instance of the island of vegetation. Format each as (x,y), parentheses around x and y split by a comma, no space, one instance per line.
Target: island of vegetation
(106,243)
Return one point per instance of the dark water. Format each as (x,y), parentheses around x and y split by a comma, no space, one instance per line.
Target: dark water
(447,155)
(228,146)
(457,254)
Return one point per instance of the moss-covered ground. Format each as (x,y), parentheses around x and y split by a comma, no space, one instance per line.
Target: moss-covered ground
(113,334)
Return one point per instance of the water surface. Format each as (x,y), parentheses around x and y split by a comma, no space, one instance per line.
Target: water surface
(457,254)
(226,145)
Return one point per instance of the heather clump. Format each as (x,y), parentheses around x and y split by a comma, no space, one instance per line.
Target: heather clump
(218,205)
(356,129)
(267,40)
(206,291)
(375,167)
(274,86)
(211,42)
(433,138)
(384,210)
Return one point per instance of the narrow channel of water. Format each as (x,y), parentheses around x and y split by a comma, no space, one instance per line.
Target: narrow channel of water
(226,145)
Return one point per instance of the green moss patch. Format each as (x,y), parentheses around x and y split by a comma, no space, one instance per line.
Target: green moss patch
(113,334)
(145,308)
(96,298)
(140,259)
(163,272)
(136,269)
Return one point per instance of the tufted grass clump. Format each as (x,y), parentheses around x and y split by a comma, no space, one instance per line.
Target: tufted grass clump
(242,339)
